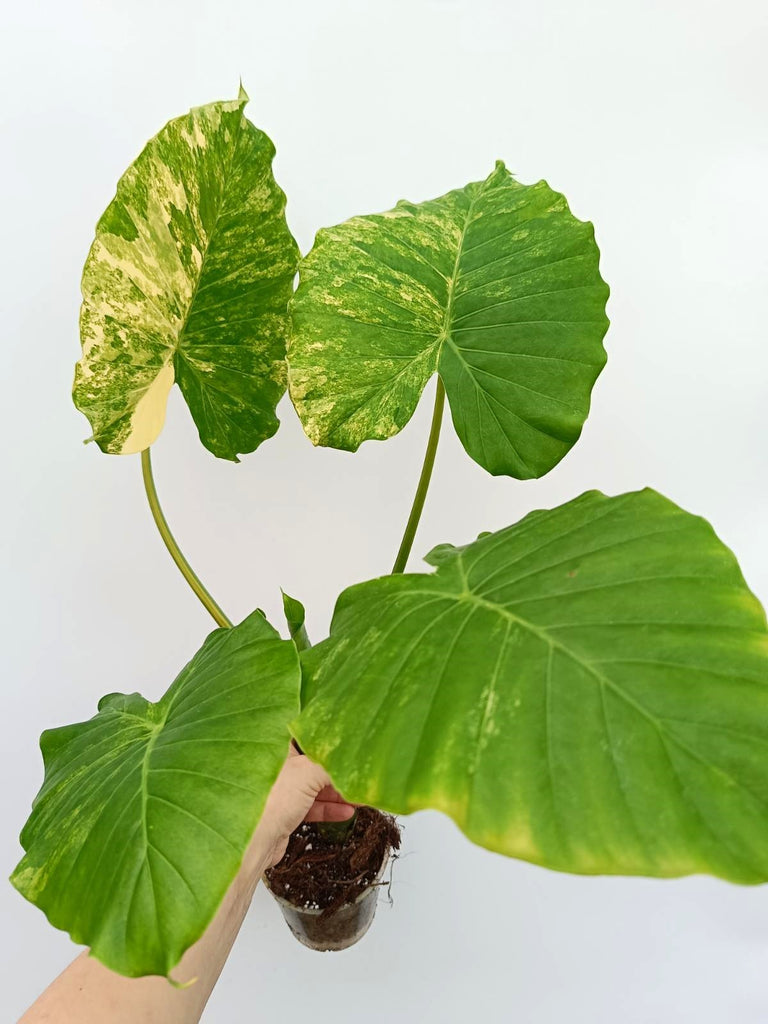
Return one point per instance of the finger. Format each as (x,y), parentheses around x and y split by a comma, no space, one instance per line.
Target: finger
(306,775)
(331,795)
(330,812)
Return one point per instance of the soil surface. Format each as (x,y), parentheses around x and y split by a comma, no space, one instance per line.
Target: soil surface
(322,873)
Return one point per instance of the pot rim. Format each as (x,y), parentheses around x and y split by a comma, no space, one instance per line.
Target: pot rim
(316,912)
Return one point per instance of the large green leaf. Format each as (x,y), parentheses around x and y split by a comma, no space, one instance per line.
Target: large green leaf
(495,286)
(188,279)
(587,690)
(146,809)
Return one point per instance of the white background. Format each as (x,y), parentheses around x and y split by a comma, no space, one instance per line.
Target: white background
(651,118)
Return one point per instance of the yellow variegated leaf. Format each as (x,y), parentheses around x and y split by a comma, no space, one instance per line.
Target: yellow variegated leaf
(494,286)
(188,280)
(587,690)
(147,809)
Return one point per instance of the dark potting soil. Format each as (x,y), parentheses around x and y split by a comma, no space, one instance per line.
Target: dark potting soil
(323,873)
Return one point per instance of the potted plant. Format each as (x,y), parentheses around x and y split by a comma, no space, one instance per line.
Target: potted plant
(586,689)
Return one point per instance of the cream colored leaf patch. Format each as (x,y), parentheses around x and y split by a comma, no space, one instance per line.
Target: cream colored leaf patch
(494,286)
(188,280)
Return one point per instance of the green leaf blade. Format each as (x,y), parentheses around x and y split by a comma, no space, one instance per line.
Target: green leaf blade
(587,690)
(188,280)
(147,809)
(495,286)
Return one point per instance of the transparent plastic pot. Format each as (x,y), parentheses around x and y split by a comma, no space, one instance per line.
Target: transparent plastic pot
(336,931)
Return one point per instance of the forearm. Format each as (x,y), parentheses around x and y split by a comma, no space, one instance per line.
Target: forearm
(89,993)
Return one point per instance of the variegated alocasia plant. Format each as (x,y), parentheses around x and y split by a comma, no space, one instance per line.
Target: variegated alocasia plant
(586,689)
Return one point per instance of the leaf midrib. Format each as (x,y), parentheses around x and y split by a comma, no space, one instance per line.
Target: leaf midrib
(658,723)
(452,281)
(211,235)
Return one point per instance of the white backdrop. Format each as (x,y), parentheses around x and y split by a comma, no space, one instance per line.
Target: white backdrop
(651,117)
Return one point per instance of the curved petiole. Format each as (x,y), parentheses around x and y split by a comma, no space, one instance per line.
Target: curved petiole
(175,551)
(421,490)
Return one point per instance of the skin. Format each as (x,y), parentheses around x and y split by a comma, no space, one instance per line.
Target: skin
(89,993)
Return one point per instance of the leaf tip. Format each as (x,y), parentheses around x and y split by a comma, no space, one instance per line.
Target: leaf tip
(181,985)
(242,95)
(294,610)
(441,553)
(500,171)
(25,880)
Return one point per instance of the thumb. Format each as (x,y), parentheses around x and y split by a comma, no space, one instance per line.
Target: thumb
(304,775)
(294,792)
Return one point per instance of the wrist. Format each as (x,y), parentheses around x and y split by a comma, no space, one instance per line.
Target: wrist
(258,857)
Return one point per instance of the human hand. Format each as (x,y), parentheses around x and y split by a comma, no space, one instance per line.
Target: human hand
(302,792)
(87,992)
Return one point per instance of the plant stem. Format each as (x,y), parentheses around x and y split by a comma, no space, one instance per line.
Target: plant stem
(295,616)
(421,491)
(175,551)
(301,638)
(337,831)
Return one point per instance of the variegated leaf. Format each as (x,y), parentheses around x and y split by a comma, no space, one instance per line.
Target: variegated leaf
(495,286)
(147,809)
(188,280)
(587,690)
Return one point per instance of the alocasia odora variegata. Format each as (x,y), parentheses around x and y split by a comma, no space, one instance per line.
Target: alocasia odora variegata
(586,689)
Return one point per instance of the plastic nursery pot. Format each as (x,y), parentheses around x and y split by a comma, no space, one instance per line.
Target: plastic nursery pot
(339,929)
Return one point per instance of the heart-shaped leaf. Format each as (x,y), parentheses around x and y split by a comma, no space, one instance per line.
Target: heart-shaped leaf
(188,279)
(147,809)
(587,690)
(495,286)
